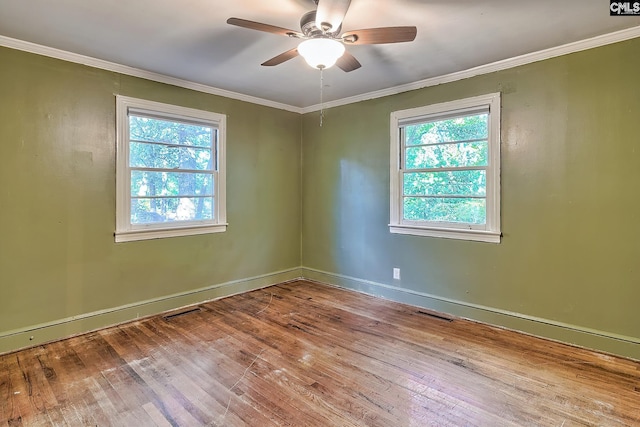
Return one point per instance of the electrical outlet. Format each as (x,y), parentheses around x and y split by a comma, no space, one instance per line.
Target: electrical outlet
(396,273)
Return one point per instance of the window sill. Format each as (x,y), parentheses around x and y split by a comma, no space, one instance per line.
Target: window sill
(447,233)
(133,235)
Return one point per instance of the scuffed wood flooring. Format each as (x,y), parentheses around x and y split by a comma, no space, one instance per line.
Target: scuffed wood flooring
(304,354)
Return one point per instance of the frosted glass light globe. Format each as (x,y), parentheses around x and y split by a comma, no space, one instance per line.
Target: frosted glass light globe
(321,53)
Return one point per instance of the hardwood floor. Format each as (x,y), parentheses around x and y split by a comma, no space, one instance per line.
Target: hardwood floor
(304,354)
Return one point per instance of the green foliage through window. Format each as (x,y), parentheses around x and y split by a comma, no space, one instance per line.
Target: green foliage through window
(172,170)
(466,210)
(444,170)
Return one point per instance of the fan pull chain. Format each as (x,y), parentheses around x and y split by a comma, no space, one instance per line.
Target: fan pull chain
(321,96)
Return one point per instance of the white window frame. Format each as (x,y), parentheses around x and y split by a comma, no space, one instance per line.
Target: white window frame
(489,232)
(125,231)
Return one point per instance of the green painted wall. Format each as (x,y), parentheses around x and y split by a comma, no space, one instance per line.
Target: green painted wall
(57,196)
(570,211)
(570,197)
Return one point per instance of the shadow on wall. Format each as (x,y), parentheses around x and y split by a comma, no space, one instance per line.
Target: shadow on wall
(360,227)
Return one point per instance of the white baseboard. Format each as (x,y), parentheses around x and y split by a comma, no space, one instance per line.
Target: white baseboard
(603,341)
(62,328)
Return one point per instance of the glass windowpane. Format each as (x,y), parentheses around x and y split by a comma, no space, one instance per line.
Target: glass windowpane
(447,155)
(149,155)
(144,184)
(451,183)
(151,210)
(156,130)
(458,210)
(450,130)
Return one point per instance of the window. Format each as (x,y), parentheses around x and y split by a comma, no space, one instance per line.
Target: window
(170,170)
(445,170)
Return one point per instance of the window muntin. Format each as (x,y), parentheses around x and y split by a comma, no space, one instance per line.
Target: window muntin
(445,170)
(170,170)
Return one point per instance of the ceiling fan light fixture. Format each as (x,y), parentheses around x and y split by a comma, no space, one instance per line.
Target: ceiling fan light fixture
(321,52)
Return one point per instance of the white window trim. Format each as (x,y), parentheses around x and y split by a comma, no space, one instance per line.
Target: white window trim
(125,231)
(487,233)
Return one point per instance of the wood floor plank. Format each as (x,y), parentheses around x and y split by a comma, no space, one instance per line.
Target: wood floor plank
(357,361)
(301,353)
(510,343)
(346,342)
(299,349)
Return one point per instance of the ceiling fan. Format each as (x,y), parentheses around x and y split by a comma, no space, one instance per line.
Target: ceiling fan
(324,43)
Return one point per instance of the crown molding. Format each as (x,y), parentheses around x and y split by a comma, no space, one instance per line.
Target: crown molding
(137,72)
(602,40)
(593,42)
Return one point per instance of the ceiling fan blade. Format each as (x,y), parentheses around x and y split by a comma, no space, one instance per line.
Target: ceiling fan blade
(252,25)
(348,62)
(331,12)
(380,35)
(279,59)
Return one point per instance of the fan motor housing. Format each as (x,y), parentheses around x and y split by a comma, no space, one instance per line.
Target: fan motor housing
(311,29)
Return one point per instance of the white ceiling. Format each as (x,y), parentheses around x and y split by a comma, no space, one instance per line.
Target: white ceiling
(190,40)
